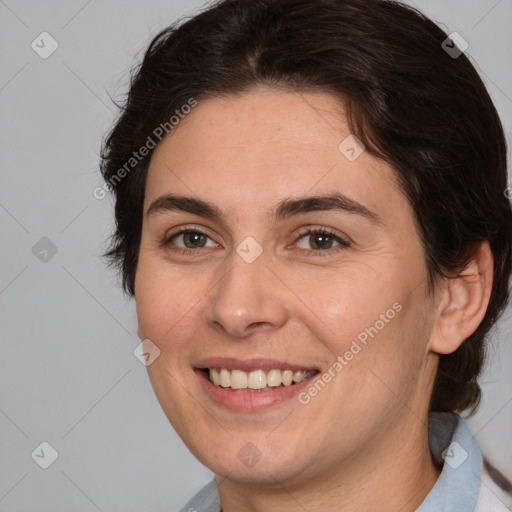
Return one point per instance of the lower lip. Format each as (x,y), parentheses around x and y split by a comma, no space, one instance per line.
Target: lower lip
(250,401)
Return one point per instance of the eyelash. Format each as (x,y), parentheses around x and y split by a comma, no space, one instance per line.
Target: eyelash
(343,244)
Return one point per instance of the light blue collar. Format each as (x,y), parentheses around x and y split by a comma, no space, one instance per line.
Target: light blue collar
(452,445)
(206,500)
(458,485)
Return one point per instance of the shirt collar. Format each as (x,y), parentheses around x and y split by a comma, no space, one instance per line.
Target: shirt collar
(206,500)
(453,446)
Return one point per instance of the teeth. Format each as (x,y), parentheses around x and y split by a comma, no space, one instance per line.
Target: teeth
(225,378)
(274,378)
(287,377)
(257,379)
(297,376)
(215,377)
(238,379)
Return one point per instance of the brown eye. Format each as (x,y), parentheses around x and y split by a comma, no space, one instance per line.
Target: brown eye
(193,239)
(189,240)
(319,240)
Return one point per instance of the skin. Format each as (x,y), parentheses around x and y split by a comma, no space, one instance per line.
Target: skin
(361,443)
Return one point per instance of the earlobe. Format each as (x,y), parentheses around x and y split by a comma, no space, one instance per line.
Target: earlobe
(464,302)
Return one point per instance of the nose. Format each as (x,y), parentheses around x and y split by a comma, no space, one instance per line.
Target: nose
(248,297)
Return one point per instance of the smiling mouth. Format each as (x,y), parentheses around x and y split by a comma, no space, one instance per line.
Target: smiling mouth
(256,380)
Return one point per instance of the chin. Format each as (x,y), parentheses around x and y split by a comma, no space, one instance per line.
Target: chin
(244,462)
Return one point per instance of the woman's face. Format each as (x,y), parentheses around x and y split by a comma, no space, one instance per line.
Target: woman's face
(252,291)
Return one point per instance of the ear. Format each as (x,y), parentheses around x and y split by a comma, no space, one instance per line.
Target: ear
(463,303)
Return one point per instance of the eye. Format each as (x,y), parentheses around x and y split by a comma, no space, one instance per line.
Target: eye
(188,240)
(321,240)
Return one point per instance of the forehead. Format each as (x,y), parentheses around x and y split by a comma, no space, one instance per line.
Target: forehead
(257,148)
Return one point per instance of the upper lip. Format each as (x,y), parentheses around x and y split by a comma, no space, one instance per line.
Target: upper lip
(248,365)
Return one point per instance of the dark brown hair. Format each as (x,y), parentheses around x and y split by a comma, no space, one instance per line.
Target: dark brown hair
(422,110)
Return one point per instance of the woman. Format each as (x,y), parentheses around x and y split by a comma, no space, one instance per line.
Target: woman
(311,216)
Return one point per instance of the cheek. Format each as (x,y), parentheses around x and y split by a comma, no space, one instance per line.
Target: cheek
(166,301)
(372,327)
(345,306)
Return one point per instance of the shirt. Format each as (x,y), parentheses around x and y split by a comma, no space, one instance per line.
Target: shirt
(464,485)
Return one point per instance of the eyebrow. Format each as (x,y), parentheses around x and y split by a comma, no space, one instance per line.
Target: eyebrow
(283,210)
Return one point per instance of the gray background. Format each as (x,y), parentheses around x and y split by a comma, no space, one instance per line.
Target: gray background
(68,375)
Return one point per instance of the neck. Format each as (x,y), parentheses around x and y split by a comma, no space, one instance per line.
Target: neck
(395,472)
